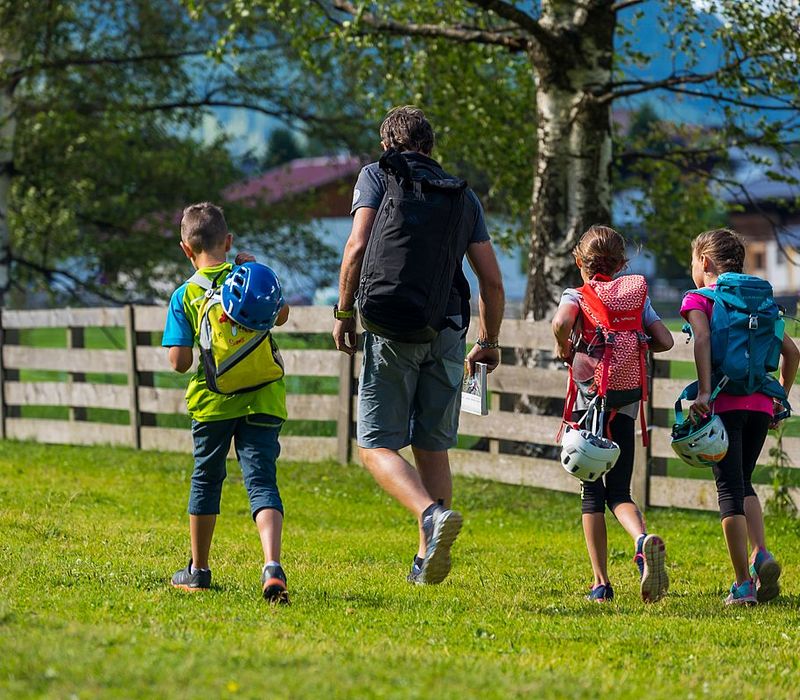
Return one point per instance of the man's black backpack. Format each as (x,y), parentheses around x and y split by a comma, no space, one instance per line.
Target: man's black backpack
(411,270)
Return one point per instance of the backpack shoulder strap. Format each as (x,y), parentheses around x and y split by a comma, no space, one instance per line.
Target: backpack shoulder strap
(704,292)
(201,281)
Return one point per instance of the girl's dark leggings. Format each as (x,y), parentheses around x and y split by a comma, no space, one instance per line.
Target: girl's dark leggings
(747,431)
(615,487)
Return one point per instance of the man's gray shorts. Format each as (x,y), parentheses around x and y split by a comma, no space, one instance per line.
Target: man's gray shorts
(410,393)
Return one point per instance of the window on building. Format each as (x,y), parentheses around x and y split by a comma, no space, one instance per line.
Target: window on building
(758,260)
(780,258)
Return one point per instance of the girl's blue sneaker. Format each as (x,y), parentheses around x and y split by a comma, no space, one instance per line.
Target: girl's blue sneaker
(765,571)
(743,594)
(601,593)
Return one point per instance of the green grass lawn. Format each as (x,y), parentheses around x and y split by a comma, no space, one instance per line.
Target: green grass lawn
(90,536)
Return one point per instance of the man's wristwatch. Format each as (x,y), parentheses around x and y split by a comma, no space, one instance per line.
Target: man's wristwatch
(341,315)
(487,345)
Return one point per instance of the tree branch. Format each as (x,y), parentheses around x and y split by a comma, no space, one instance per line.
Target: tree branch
(210,102)
(50,272)
(516,16)
(672,80)
(18,74)
(625,4)
(734,101)
(733,186)
(459,34)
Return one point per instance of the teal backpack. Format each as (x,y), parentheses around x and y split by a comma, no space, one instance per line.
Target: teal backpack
(747,329)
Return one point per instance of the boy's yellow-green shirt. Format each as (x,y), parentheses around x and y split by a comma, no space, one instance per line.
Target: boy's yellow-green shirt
(182,328)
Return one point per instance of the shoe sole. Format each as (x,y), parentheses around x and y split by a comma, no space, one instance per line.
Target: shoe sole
(610,599)
(768,586)
(274,591)
(748,601)
(188,589)
(655,580)
(437,564)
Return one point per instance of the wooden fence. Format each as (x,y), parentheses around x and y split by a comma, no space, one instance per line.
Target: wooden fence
(134,383)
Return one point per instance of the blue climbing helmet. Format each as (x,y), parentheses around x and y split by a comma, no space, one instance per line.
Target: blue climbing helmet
(252,297)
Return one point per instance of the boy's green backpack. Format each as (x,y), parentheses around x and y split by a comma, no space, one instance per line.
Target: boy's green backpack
(235,359)
(747,329)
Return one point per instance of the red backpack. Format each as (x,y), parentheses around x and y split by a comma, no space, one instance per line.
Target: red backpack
(610,360)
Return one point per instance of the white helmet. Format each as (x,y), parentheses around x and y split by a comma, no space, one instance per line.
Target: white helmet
(702,444)
(587,456)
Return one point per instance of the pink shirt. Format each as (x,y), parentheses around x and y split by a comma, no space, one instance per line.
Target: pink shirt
(726,402)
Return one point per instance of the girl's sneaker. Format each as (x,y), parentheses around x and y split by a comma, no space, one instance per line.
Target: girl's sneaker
(601,593)
(273,584)
(743,594)
(192,581)
(651,558)
(765,571)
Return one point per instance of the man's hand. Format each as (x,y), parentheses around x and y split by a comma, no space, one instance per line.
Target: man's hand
(344,335)
(490,356)
(243,256)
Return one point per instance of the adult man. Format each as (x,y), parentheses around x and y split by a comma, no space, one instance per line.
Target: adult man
(410,391)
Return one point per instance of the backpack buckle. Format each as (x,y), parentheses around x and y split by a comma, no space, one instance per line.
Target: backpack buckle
(753,323)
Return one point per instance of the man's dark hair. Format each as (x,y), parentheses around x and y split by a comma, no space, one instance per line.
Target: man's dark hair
(203,227)
(407,129)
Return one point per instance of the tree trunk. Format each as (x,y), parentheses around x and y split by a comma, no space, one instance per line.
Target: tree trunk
(8,57)
(571,189)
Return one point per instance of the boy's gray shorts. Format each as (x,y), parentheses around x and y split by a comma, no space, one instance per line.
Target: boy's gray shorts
(410,393)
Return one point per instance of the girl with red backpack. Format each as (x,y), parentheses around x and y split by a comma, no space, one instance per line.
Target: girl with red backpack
(604,330)
(738,339)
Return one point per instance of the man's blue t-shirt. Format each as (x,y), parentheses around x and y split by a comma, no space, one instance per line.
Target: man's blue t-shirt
(371,186)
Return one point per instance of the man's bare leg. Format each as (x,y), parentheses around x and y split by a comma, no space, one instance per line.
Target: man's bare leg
(434,471)
(397,477)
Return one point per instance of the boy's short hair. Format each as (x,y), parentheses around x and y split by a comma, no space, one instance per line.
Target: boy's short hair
(407,129)
(203,227)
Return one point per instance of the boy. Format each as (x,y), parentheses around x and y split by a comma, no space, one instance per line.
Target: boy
(253,419)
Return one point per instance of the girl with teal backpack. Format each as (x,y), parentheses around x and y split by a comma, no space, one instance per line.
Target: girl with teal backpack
(739,338)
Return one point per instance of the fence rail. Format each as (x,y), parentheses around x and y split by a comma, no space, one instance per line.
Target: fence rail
(127,395)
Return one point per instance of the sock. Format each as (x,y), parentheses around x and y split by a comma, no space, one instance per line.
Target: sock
(418,561)
(271,563)
(194,569)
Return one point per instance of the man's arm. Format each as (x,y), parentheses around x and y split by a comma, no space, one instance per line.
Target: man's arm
(491,303)
(344,330)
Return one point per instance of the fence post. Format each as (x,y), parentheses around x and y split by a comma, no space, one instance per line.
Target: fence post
(133,377)
(76,338)
(640,482)
(344,418)
(2,382)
